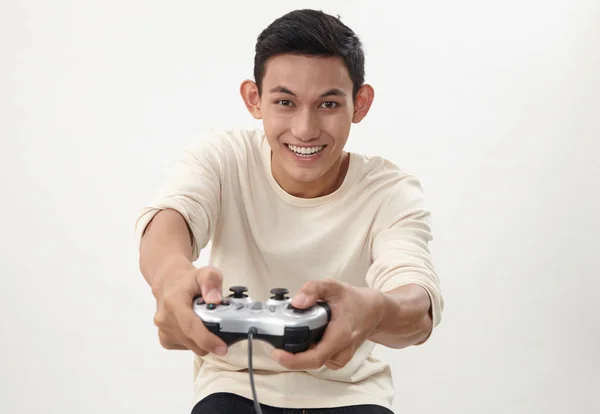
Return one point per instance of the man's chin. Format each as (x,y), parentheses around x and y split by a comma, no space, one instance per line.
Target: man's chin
(304,176)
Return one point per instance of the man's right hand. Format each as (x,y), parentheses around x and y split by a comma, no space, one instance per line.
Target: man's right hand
(178,326)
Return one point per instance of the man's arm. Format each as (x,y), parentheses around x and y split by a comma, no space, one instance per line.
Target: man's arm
(401,302)
(405,317)
(171,230)
(184,211)
(180,219)
(410,302)
(166,255)
(396,319)
(166,243)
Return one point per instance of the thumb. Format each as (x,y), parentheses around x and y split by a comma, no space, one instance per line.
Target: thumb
(313,291)
(210,280)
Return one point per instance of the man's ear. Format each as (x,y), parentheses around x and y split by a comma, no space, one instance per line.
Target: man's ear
(363,102)
(251,97)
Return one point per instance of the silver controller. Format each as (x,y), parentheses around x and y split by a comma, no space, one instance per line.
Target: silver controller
(275,320)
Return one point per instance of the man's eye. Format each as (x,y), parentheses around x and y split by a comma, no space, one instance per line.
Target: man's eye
(284,102)
(329,104)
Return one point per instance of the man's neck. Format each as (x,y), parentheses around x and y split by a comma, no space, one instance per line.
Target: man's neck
(327,184)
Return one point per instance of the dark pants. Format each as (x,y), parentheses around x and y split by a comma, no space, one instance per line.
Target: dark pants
(225,403)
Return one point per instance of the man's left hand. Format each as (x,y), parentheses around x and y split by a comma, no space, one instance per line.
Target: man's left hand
(355,314)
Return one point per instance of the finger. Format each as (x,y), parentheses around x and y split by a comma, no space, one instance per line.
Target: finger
(194,330)
(167,342)
(333,341)
(189,344)
(310,359)
(315,290)
(333,365)
(211,284)
(175,341)
(182,345)
(341,358)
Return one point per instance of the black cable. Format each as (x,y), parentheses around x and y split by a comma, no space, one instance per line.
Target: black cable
(251,332)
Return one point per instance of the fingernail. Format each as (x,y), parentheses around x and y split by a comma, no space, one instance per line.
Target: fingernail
(221,350)
(213,296)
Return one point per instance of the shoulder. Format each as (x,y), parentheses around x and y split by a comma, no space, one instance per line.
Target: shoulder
(384,175)
(227,141)
(397,191)
(224,151)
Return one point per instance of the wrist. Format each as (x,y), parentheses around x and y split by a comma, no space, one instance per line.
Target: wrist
(170,268)
(404,319)
(384,306)
(375,303)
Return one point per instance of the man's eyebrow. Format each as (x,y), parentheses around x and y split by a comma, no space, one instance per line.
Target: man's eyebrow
(334,92)
(281,89)
(330,92)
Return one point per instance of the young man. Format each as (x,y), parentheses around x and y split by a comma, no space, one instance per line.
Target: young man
(289,207)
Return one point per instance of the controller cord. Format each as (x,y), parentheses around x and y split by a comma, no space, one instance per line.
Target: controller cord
(251,332)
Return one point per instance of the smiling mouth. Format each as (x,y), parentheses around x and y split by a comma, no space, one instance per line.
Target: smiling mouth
(305,151)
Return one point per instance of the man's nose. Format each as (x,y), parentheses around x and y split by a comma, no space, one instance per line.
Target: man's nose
(305,125)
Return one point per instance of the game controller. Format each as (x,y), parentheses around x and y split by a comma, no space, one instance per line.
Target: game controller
(275,321)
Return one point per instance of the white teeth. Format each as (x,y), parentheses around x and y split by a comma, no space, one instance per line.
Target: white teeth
(305,150)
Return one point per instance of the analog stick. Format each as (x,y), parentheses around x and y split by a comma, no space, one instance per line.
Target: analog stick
(279,293)
(238,292)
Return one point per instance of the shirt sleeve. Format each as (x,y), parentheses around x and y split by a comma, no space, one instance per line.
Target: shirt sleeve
(400,248)
(193,188)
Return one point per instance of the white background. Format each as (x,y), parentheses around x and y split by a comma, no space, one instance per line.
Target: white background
(494,105)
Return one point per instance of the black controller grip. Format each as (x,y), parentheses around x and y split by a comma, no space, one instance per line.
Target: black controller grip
(294,340)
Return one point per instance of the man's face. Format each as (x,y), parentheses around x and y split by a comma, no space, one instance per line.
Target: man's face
(307,111)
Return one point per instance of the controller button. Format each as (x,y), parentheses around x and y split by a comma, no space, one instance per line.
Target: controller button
(298,310)
(211,306)
(225,302)
(256,306)
(279,293)
(296,334)
(238,291)
(271,308)
(295,348)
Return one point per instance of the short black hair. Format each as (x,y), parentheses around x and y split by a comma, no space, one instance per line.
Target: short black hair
(310,33)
